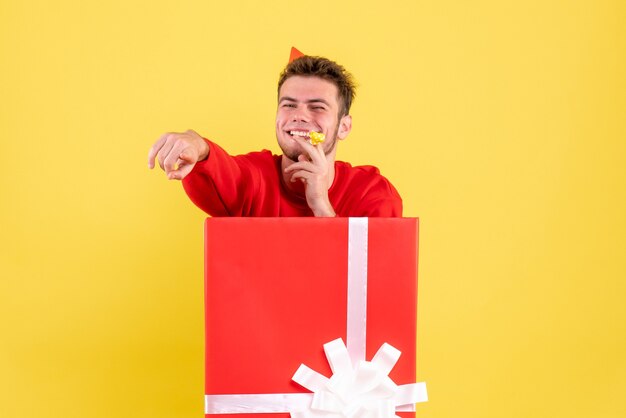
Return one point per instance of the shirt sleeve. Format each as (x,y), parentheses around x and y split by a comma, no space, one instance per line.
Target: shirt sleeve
(363,192)
(386,203)
(221,185)
(390,207)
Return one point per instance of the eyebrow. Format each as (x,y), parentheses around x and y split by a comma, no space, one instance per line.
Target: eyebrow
(291,99)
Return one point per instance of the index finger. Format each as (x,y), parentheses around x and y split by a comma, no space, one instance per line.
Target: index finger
(315,152)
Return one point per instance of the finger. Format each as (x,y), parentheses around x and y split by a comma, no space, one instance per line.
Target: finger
(308,148)
(184,168)
(321,152)
(154,150)
(189,155)
(302,165)
(174,156)
(301,175)
(187,159)
(165,151)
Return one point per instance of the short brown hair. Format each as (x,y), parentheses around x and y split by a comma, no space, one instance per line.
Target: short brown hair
(327,70)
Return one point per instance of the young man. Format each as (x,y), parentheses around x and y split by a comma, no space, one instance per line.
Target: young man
(314,95)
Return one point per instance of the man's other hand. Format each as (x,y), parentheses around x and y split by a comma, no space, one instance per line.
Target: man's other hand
(177,153)
(313,169)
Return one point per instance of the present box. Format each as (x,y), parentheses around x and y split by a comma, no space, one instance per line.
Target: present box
(278,289)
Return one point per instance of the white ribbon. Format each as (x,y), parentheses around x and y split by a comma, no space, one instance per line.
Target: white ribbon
(357,288)
(357,388)
(260,403)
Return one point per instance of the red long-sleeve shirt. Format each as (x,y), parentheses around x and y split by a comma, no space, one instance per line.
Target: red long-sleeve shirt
(252,185)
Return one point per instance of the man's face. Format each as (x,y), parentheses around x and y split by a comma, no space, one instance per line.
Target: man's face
(308,104)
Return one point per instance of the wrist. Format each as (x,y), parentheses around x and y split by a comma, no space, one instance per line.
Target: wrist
(324,210)
(203,149)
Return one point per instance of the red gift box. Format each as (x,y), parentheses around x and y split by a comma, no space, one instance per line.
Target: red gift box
(277,290)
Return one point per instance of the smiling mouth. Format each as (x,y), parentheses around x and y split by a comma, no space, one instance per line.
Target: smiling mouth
(301,134)
(314,137)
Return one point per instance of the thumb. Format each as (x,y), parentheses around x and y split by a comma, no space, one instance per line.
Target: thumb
(183,168)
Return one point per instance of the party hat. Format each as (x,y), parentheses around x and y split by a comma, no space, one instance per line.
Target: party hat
(295,54)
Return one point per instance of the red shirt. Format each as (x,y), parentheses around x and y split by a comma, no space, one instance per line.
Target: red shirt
(252,185)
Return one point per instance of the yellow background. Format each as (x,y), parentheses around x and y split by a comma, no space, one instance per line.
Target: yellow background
(502,124)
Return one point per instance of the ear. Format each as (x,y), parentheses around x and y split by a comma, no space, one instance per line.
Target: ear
(345,126)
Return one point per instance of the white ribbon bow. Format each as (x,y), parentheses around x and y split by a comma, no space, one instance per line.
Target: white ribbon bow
(364,391)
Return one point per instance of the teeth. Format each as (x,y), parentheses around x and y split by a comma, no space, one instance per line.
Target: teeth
(314,138)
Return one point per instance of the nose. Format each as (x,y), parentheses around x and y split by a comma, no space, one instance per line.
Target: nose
(300,115)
